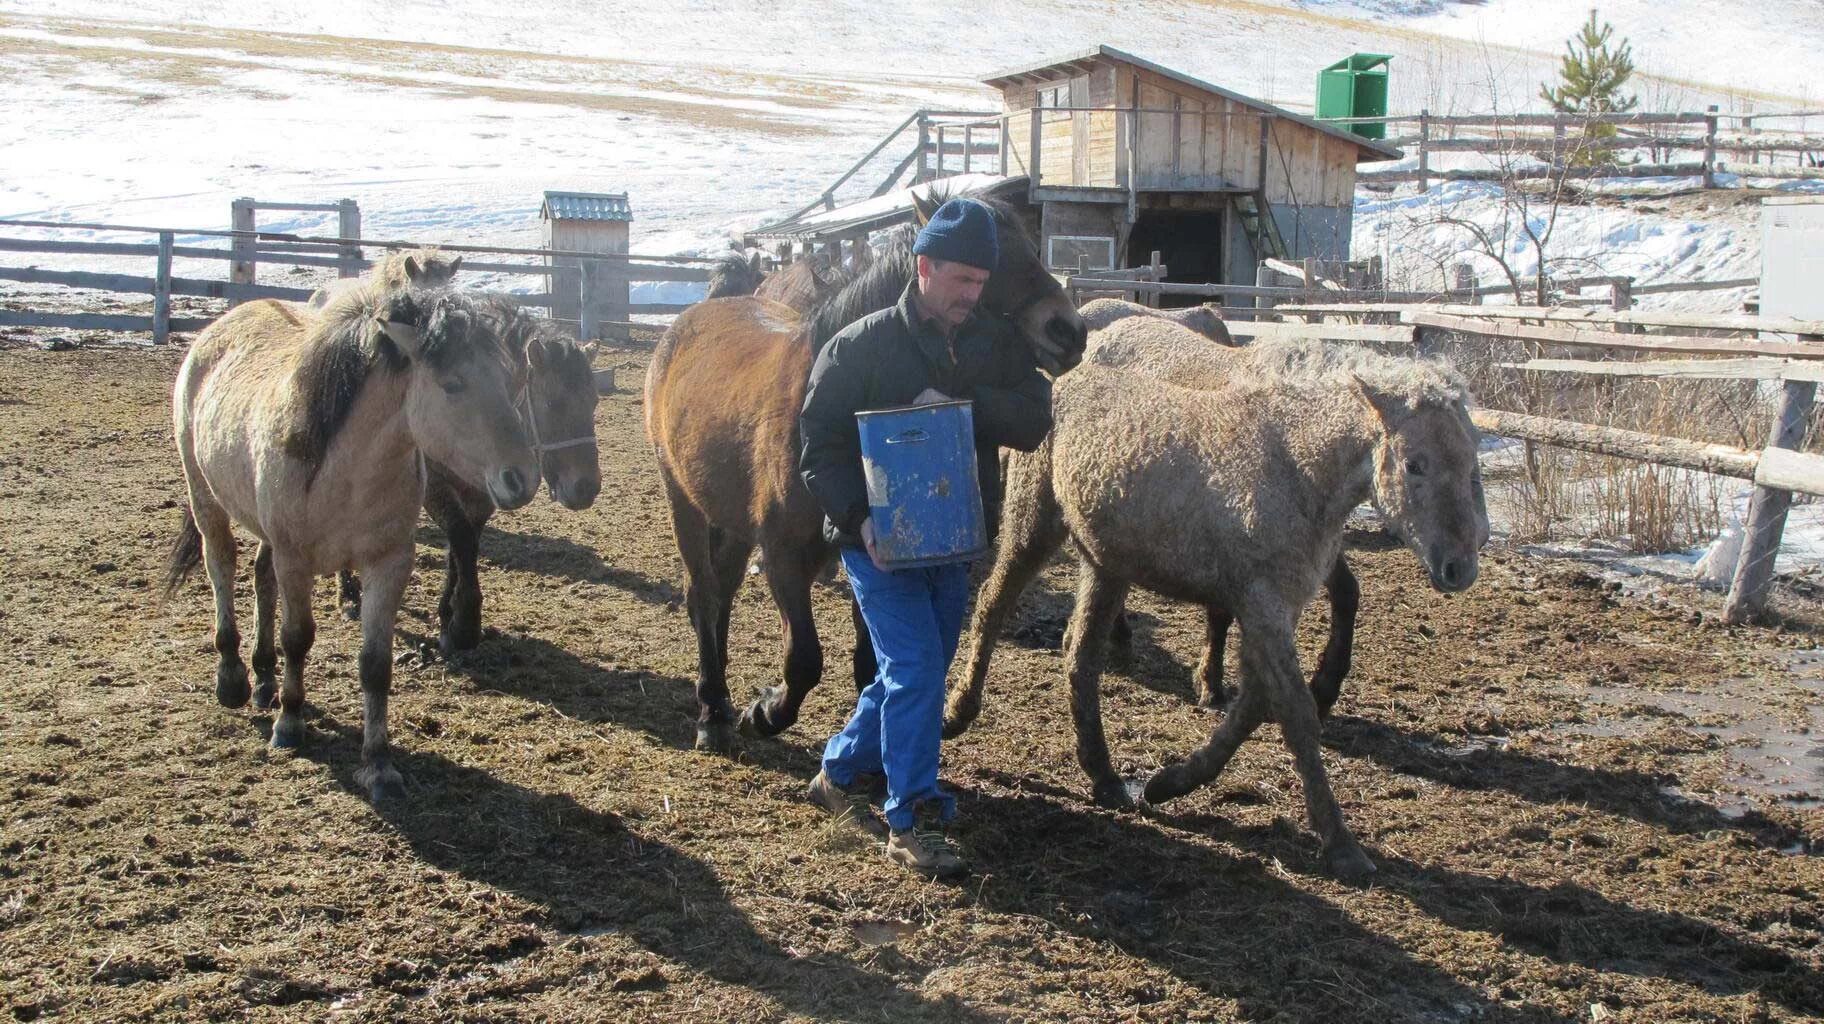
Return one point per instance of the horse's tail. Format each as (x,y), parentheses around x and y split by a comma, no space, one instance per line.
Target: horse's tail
(186,554)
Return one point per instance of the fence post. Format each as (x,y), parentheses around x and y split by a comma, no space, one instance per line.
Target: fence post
(348,225)
(1006,144)
(589,325)
(1463,279)
(923,171)
(1710,149)
(1424,150)
(968,144)
(1753,578)
(241,269)
(1036,128)
(161,295)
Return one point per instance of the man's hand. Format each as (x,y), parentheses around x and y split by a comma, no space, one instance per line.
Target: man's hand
(867,541)
(930,396)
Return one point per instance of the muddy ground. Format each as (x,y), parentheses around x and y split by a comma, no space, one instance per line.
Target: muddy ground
(1562,806)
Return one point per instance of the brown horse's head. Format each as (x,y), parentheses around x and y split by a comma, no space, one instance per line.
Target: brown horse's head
(465,385)
(1023,291)
(1427,481)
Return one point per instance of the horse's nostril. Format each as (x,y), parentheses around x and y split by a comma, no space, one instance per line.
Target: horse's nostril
(586,490)
(512,483)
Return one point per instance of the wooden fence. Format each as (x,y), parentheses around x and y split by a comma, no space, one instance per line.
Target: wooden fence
(1558,138)
(248,248)
(1733,347)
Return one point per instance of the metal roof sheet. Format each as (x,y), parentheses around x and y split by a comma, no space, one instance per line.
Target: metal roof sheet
(586,206)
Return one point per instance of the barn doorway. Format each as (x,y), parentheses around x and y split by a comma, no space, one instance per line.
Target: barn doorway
(1190,243)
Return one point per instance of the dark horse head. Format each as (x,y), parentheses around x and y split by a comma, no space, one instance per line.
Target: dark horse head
(735,275)
(1020,289)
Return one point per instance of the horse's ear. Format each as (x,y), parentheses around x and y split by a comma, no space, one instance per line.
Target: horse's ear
(1389,409)
(455,265)
(412,270)
(924,207)
(404,336)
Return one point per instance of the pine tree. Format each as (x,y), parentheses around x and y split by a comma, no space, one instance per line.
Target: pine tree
(1591,75)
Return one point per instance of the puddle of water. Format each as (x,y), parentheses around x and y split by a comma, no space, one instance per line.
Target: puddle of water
(882,933)
(1772,756)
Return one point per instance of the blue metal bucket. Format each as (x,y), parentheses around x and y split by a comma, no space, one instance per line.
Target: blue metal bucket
(923,492)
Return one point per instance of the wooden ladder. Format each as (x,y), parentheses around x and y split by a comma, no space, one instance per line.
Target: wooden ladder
(1252,208)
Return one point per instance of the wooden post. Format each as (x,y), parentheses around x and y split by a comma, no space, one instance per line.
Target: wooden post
(1037,142)
(1621,297)
(589,326)
(1082,271)
(1710,168)
(940,172)
(923,173)
(1006,145)
(348,225)
(1464,280)
(241,269)
(1424,150)
(1260,170)
(968,144)
(1753,579)
(161,295)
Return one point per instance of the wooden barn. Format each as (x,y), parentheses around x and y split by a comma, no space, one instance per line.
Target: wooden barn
(587,222)
(1126,157)
(1121,157)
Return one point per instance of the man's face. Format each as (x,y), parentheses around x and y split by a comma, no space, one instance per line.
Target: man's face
(950,290)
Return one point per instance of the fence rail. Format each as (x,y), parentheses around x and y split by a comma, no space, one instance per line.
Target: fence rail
(580,277)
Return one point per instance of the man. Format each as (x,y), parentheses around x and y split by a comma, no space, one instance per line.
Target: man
(931,347)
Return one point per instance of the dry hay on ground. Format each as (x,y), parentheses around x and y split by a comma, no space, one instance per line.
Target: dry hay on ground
(565,855)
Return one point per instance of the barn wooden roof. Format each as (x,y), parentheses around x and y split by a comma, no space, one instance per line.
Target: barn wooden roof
(1367,149)
(586,206)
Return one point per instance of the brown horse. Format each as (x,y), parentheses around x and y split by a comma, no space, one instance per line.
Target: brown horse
(735,276)
(559,413)
(723,395)
(311,433)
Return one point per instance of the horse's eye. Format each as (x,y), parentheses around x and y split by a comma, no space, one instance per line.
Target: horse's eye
(454,385)
(1414,468)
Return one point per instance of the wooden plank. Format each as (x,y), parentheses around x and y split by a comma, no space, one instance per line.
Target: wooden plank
(1722,460)
(95,321)
(1786,470)
(1389,334)
(1754,368)
(78,248)
(1685,170)
(1693,321)
(1612,340)
(658,308)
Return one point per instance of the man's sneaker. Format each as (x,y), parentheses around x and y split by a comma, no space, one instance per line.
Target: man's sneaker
(924,848)
(849,805)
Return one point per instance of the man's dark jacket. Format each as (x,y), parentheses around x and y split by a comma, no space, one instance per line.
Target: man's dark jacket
(886,359)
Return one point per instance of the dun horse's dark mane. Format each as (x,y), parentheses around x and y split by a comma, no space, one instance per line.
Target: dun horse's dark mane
(879,285)
(732,276)
(348,348)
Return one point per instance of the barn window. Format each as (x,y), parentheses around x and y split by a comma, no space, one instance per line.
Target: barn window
(1054,97)
(1066,252)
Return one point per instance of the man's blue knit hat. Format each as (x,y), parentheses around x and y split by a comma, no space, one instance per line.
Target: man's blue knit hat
(962,231)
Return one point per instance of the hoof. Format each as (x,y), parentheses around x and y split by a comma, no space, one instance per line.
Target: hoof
(1115,795)
(1213,701)
(231,689)
(267,692)
(287,732)
(458,638)
(1346,862)
(954,727)
(715,737)
(1167,783)
(756,723)
(382,784)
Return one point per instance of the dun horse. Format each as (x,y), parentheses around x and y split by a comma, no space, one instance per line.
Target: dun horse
(723,394)
(1101,313)
(559,413)
(311,433)
(1235,496)
(1161,346)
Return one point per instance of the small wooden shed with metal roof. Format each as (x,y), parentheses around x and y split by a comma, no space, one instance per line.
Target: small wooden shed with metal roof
(593,222)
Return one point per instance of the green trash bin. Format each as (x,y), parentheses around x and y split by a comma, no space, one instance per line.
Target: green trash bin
(1355,87)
